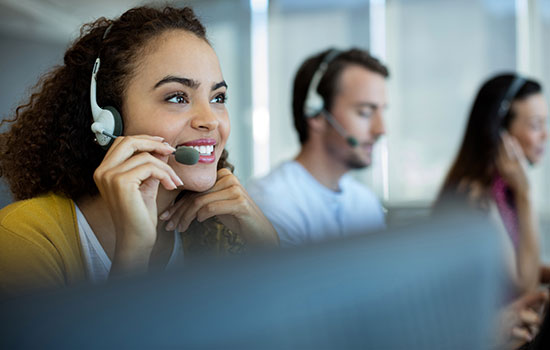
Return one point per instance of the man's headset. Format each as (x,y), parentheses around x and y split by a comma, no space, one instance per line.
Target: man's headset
(315,104)
(108,125)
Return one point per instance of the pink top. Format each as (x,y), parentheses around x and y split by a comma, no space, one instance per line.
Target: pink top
(505,201)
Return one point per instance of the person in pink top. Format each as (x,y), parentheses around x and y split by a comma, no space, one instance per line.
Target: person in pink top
(506,132)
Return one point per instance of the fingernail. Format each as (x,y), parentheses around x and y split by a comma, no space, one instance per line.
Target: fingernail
(179,180)
(170,226)
(164,215)
(170,146)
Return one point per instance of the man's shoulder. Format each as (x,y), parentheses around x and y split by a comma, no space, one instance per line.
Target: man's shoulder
(283,180)
(284,191)
(353,187)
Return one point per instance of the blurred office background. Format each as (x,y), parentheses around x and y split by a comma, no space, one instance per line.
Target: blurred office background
(438,52)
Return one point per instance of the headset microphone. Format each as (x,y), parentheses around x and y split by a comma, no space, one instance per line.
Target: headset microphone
(352,141)
(187,155)
(183,154)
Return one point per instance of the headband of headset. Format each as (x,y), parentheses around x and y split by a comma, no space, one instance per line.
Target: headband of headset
(314,103)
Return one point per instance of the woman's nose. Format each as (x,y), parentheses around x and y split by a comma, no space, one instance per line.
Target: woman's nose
(204,118)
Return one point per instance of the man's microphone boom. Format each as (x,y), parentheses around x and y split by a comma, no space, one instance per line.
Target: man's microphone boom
(352,141)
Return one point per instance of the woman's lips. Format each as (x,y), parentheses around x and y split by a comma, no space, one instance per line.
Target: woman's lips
(199,142)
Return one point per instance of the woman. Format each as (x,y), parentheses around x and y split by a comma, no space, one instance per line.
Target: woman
(87,214)
(506,130)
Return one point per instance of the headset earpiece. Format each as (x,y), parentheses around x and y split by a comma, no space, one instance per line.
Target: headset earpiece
(314,103)
(107,120)
(118,120)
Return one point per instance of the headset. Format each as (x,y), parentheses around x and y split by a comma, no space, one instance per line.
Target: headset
(315,105)
(511,92)
(107,125)
(107,120)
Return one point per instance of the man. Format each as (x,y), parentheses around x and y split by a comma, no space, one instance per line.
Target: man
(338,104)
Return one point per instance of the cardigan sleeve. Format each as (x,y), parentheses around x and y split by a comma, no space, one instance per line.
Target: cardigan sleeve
(39,246)
(27,265)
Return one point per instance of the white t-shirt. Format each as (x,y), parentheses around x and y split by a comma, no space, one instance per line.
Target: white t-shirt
(302,210)
(96,261)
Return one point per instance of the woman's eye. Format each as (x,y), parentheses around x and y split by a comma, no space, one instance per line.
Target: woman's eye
(221,98)
(177,98)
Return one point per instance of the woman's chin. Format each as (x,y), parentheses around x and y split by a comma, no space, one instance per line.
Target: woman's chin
(199,184)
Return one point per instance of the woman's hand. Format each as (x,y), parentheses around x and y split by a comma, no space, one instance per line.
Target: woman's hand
(520,320)
(230,202)
(511,164)
(128,179)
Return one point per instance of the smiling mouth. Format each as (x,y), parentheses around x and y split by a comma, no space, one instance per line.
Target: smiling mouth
(204,150)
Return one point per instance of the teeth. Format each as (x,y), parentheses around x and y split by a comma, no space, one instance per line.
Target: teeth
(204,150)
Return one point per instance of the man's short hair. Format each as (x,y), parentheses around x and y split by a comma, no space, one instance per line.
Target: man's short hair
(328,84)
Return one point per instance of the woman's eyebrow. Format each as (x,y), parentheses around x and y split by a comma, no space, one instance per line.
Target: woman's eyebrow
(193,84)
(219,85)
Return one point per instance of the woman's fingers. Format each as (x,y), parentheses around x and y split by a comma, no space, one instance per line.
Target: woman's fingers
(146,158)
(506,145)
(531,299)
(181,215)
(126,146)
(168,213)
(511,164)
(134,151)
(529,317)
(512,148)
(133,178)
(188,211)
(521,333)
(230,202)
(221,182)
(222,207)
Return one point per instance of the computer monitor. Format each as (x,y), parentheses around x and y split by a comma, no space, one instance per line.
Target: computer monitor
(431,286)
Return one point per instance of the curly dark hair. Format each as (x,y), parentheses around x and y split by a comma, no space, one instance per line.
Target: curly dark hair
(49,147)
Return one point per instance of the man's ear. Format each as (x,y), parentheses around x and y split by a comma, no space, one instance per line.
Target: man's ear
(317,123)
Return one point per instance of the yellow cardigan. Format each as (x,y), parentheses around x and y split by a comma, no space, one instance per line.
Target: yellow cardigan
(40,244)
